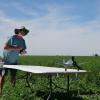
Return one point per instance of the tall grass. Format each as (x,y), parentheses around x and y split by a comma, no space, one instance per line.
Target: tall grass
(85,87)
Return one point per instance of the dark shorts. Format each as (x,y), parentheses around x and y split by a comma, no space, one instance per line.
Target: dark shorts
(0,71)
(12,71)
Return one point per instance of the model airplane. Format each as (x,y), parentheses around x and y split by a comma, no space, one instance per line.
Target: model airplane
(71,62)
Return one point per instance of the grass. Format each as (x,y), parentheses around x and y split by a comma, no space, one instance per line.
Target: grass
(85,87)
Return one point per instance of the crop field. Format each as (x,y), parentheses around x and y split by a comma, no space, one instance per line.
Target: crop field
(82,87)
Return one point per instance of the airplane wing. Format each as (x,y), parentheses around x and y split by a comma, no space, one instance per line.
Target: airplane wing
(43,69)
(66,63)
(82,63)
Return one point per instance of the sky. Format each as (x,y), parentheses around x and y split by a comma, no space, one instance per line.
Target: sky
(57,27)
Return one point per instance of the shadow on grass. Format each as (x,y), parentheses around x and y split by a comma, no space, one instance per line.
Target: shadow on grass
(58,96)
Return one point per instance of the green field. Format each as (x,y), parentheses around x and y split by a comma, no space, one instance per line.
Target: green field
(83,87)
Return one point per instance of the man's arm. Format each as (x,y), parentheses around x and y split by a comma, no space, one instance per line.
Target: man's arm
(12,48)
(23,51)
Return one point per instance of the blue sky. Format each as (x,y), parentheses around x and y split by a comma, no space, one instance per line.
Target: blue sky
(57,27)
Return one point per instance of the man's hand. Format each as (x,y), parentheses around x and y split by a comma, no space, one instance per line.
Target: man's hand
(23,52)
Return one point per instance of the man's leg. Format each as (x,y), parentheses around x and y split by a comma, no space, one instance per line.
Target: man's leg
(13,76)
(2,77)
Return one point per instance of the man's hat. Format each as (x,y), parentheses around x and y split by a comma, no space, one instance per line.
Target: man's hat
(22,28)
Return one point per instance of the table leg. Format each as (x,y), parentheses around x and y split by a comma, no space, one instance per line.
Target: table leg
(27,81)
(68,85)
(50,87)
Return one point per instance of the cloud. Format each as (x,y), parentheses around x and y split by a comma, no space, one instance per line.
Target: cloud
(54,32)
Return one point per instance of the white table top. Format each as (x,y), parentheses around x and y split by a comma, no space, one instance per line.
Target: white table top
(43,69)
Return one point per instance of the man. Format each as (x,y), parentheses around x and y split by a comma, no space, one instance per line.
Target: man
(14,46)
